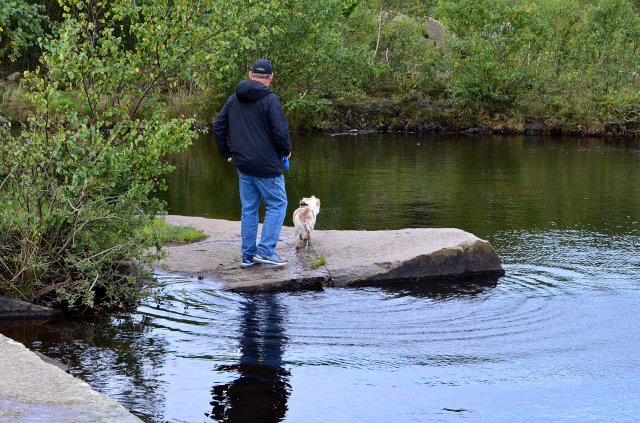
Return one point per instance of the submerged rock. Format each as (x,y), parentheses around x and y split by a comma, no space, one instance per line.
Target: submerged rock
(350,257)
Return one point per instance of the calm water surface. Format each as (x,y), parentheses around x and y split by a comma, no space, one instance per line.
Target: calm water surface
(555,339)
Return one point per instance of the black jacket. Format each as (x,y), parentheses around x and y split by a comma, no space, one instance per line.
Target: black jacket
(251,129)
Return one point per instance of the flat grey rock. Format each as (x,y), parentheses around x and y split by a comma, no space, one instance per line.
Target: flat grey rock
(34,391)
(351,257)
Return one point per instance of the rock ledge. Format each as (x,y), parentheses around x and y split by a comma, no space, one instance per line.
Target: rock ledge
(34,391)
(351,257)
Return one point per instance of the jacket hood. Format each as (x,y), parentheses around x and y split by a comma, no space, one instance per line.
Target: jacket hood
(249,91)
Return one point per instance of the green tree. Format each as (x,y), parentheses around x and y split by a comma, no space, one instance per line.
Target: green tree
(314,64)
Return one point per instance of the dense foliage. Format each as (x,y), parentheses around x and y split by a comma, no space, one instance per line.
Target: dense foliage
(567,61)
(20,26)
(570,63)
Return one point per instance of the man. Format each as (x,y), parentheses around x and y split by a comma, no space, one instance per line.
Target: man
(252,133)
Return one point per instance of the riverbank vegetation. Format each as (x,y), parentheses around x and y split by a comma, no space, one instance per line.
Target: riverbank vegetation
(106,89)
(426,65)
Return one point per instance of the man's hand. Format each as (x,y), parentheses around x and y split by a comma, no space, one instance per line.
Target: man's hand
(229,159)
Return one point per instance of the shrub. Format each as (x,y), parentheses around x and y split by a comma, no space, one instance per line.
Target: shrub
(20,27)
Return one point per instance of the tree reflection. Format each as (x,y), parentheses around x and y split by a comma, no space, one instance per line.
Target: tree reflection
(261,391)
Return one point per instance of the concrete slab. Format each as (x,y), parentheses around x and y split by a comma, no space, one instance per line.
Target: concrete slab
(351,257)
(34,391)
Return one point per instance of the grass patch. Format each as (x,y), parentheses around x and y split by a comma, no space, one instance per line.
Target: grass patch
(14,103)
(164,233)
(320,260)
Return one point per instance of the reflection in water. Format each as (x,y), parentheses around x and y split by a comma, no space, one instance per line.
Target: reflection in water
(260,392)
(440,289)
(542,341)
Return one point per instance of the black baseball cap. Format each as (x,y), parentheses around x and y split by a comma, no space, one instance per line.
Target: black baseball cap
(262,66)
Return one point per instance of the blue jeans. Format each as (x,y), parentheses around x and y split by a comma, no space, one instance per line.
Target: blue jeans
(252,191)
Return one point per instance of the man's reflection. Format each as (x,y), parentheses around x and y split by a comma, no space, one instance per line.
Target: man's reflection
(260,393)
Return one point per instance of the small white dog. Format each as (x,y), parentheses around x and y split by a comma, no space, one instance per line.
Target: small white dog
(304,219)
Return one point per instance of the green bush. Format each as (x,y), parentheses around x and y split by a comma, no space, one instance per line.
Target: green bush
(312,62)
(20,28)
(73,199)
(15,104)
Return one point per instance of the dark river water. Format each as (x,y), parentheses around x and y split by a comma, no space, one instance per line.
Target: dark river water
(556,339)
